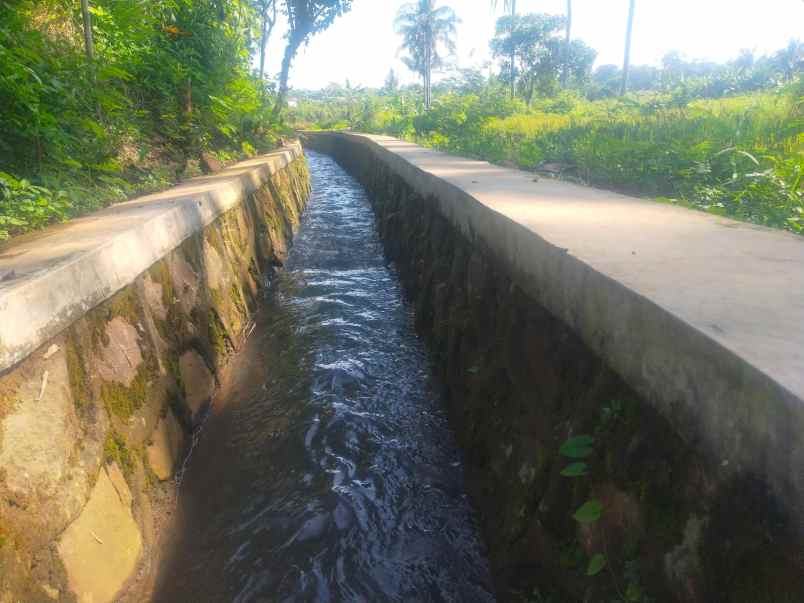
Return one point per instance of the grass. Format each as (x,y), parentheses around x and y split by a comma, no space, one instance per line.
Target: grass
(741,157)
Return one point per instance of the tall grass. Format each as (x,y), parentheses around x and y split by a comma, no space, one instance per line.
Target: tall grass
(742,156)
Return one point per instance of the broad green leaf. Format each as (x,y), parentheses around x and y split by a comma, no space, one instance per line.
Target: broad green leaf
(589,512)
(596,564)
(575,470)
(633,592)
(107,72)
(72,163)
(578,447)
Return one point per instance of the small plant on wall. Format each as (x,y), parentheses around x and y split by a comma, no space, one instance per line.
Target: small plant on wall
(579,451)
(578,448)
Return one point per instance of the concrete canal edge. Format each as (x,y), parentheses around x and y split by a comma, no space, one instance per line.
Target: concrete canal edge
(112,330)
(674,338)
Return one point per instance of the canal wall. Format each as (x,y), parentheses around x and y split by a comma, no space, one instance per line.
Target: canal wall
(112,330)
(662,348)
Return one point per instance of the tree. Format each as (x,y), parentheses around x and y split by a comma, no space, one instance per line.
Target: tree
(267,10)
(391,83)
(540,52)
(89,47)
(577,62)
(425,29)
(305,19)
(744,61)
(509,5)
(674,68)
(350,96)
(627,58)
(790,60)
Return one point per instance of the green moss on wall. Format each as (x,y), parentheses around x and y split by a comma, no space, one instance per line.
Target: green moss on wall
(123,401)
(221,344)
(123,304)
(173,325)
(237,300)
(79,379)
(116,451)
(213,237)
(160,273)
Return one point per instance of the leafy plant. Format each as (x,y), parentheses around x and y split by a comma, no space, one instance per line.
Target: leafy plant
(162,82)
(24,206)
(582,447)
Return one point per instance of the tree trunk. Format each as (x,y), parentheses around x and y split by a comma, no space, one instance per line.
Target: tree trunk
(290,52)
(187,106)
(263,40)
(427,72)
(89,46)
(627,58)
(513,53)
(267,28)
(565,72)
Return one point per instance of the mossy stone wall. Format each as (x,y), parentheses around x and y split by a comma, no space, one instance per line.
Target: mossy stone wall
(676,523)
(114,384)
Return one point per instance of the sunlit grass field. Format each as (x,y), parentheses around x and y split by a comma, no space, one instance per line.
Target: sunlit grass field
(741,156)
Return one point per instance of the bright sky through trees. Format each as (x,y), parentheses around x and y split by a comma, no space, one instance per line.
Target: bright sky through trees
(362,45)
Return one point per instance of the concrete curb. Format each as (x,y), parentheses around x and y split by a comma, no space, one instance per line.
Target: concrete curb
(703,316)
(52,278)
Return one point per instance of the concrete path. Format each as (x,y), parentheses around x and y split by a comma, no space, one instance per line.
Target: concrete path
(741,285)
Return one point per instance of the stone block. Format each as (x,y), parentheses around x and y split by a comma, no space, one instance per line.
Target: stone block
(101,548)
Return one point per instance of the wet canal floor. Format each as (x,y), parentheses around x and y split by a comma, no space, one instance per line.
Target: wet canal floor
(328,471)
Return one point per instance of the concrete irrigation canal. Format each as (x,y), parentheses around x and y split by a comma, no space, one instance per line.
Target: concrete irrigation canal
(381,373)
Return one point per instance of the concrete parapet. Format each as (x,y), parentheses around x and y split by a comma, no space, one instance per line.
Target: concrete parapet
(112,331)
(539,296)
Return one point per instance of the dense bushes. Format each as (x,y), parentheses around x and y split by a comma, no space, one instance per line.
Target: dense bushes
(741,156)
(171,78)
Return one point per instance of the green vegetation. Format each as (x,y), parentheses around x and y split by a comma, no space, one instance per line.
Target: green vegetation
(741,156)
(218,336)
(79,380)
(116,451)
(582,447)
(728,139)
(580,450)
(123,401)
(424,29)
(126,97)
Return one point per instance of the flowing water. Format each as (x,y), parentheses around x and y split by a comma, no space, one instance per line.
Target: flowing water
(328,471)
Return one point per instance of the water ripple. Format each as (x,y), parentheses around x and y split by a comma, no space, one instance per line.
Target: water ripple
(339,479)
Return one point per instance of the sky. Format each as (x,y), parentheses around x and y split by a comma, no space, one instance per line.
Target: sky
(362,46)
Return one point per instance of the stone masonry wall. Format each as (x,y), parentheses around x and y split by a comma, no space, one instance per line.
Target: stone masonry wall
(94,423)
(674,526)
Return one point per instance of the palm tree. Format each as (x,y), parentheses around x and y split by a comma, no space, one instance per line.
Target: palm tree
(510,5)
(627,59)
(424,29)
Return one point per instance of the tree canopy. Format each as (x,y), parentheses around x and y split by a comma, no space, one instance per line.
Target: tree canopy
(428,36)
(305,19)
(540,53)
